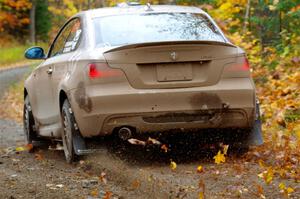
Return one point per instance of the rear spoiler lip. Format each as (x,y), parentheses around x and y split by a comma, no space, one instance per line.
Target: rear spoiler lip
(162,43)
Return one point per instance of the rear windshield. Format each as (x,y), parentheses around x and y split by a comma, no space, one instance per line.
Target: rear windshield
(155,27)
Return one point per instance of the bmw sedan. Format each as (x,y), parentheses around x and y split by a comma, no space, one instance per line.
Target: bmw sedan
(138,69)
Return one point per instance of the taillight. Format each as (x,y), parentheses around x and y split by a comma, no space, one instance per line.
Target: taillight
(240,68)
(242,64)
(102,70)
(245,65)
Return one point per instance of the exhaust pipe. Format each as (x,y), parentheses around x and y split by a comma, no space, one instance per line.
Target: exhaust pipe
(124,133)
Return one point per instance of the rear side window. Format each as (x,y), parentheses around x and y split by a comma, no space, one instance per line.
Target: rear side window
(153,27)
(68,38)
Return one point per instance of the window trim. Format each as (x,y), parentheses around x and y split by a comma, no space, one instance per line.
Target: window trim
(59,33)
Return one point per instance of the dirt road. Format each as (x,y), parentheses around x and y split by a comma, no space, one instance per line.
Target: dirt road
(121,170)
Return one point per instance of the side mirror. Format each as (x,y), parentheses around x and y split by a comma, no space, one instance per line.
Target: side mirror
(35,53)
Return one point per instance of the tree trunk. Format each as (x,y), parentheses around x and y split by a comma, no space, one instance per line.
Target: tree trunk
(32,23)
(89,4)
(247,16)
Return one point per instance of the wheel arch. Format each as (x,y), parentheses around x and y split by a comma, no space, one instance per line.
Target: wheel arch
(25,92)
(62,97)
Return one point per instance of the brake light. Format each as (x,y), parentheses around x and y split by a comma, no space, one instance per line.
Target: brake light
(102,70)
(245,65)
(242,64)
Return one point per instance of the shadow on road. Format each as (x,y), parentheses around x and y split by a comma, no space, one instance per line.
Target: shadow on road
(181,147)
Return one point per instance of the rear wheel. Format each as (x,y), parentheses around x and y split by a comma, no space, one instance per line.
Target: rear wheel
(28,123)
(68,122)
(249,137)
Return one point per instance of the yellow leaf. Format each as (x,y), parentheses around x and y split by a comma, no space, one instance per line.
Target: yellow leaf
(269,175)
(202,189)
(173,165)
(281,186)
(261,175)
(289,190)
(201,195)
(219,158)
(200,169)
(94,193)
(18,149)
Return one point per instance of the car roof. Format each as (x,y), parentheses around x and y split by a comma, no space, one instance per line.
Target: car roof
(120,10)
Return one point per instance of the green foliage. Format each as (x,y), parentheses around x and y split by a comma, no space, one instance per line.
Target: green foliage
(43,20)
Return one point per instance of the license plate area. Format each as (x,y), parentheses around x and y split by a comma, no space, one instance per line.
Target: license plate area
(174,72)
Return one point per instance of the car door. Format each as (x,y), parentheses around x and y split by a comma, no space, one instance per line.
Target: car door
(49,74)
(62,63)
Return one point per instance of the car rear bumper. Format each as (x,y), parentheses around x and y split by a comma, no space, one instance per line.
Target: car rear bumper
(99,109)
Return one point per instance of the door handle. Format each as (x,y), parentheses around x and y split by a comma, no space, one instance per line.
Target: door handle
(49,71)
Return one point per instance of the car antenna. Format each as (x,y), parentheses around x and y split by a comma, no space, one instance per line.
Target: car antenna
(148,7)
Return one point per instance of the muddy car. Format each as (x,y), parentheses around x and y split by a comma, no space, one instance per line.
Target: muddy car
(135,69)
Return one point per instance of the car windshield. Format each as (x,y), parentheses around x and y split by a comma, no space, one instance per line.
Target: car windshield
(155,27)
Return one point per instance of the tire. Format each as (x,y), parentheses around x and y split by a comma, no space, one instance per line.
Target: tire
(28,123)
(68,121)
(250,137)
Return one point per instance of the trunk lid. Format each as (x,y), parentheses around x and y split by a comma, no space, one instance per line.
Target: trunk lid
(172,64)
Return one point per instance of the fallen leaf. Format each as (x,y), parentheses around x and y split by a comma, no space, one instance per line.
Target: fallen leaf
(165,148)
(202,189)
(200,169)
(225,149)
(107,195)
(261,175)
(81,162)
(173,165)
(269,175)
(38,156)
(59,186)
(95,193)
(136,142)
(136,184)
(19,149)
(285,190)
(29,147)
(201,195)
(102,177)
(153,141)
(219,158)
(281,186)
(260,190)
(289,190)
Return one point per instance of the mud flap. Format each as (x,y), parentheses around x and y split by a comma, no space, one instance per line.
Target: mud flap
(79,144)
(255,136)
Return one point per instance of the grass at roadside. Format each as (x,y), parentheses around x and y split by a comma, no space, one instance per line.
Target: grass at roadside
(14,53)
